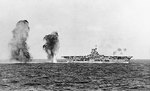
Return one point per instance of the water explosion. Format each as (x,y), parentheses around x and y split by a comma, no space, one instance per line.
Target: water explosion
(19,48)
(51,45)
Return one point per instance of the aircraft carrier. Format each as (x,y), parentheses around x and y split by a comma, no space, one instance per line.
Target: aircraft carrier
(95,57)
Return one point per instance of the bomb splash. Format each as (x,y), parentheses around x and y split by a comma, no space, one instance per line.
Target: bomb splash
(19,48)
(51,45)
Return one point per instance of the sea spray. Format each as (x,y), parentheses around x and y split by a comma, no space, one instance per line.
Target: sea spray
(19,48)
(51,45)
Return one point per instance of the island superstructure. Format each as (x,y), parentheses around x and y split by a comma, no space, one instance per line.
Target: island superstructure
(95,57)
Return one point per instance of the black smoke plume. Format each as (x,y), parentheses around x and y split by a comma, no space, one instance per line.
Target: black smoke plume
(119,51)
(19,48)
(51,45)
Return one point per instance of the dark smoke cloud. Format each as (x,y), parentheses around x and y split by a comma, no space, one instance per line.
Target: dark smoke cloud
(114,53)
(125,49)
(51,45)
(119,51)
(19,48)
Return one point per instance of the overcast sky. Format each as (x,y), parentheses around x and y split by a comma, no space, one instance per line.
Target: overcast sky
(81,24)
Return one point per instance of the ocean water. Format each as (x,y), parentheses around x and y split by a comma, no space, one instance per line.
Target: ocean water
(134,76)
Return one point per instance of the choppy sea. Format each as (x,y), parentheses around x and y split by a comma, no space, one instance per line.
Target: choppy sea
(134,76)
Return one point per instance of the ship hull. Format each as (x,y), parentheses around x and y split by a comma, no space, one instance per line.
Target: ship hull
(101,59)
